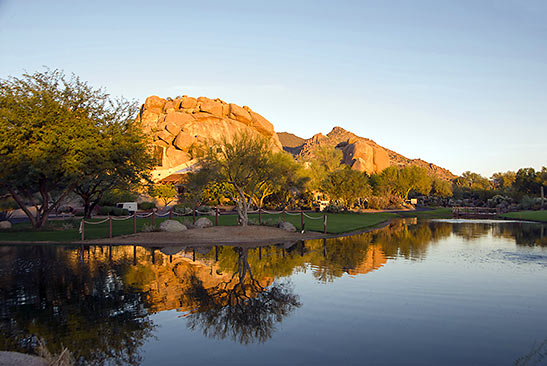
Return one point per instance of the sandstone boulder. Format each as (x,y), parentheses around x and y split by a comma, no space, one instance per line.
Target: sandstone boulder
(4,225)
(154,104)
(210,106)
(178,125)
(203,222)
(172,226)
(287,226)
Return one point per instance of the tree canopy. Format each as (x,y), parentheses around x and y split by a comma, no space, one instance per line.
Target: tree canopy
(58,134)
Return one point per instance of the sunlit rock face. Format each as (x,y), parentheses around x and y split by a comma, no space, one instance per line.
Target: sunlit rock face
(359,153)
(178,125)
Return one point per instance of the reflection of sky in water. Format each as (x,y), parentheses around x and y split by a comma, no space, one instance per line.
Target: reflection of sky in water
(431,293)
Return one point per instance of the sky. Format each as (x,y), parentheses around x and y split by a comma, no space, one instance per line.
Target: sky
(461,84)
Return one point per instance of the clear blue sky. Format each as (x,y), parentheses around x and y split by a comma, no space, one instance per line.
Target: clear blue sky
(462,84)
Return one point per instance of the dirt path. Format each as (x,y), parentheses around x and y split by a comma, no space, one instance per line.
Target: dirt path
(213,235)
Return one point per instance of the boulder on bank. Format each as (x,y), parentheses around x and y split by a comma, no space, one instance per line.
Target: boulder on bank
(5,225)
(172,226)
(203,222)
(287,226)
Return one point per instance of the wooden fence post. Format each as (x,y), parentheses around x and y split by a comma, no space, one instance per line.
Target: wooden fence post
(83,228)
(110,226)
(301,220)
(259,216)
(135,222)
(216,216)
(170,214)
(324,223)
(283,213)
(153,218)
(194,215)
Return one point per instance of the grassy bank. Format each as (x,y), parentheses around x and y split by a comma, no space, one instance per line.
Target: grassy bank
(438,213)
(540,216)
(67,230)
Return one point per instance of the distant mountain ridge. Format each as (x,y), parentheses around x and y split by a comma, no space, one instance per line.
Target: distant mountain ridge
(360,153)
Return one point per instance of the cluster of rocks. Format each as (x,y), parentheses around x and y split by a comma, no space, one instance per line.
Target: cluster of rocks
(178,125)
(174,226)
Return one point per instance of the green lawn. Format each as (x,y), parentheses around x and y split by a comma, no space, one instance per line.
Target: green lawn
(528,215)
(62,231)
(438,213)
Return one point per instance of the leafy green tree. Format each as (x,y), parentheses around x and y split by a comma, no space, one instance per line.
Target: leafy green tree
(118,158)
(399,182)
(243,165)
(441,187)
(503,180)
(347,186)
(527,181)
(166,193)
(472,180)
(286,177)
(59,135)
(323,160)
(47,129)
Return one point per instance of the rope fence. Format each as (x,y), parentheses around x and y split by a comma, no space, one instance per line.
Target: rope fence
(216,212)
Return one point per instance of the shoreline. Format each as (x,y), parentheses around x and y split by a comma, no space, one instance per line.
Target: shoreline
(216,235)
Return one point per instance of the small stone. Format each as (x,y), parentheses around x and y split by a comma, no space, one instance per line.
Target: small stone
(203,222)
(172,226)
(5,225)
(287,226)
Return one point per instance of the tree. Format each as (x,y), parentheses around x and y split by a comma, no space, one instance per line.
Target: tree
(286,177)
(119,156)
(527,181)
(346,185)
(59,135)
(399,182)
(324,160)
(441,188)
(166,193)
(472,180)
(503,180)
(47,126)
(243,164)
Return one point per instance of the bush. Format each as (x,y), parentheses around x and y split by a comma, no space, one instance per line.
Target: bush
(113,211)
(182,210)
(147,205)
(333,208)
(111,198)
(378,202)
(204,209)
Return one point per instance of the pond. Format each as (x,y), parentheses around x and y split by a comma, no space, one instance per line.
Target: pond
(450,292)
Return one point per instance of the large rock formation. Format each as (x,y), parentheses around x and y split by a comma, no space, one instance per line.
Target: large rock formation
(360,153)
(178,125)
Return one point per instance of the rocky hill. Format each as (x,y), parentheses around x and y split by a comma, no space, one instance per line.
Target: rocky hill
(358,152)
(177,125)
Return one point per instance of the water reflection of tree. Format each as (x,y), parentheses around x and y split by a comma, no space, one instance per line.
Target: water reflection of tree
(241,308)
(67,302)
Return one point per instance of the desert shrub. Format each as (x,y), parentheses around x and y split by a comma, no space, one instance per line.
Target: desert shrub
(333,208)
(147,205)
(111,198)
(204,209)
(181,209)
(378,202)
(148,228)
(527,203)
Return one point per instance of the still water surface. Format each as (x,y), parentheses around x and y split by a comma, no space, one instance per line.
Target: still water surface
(423,293)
